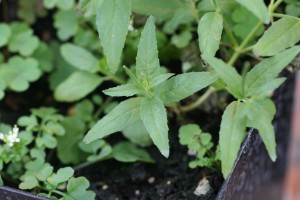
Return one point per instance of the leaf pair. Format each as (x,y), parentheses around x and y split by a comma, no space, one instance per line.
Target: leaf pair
(253,109)
(156,91)
(258,81)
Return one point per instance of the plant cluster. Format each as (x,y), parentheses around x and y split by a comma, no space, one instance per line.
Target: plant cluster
(229,49)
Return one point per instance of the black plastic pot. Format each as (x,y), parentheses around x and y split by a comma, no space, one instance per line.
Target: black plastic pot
(254,175)
(7,193)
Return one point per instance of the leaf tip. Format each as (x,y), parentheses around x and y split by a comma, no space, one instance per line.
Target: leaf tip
(165,152)
(273,157)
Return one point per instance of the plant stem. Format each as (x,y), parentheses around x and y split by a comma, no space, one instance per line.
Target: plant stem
(279,15)
(241,49)
(229,32)
(275,5)
(85,164)
(226,26)
(195,10)
(199,101)
(114,78)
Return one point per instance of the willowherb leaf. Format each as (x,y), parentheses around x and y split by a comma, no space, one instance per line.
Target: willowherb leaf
(147,63)
(154,117)
(116,13)
(258,8)
(126,90)
(122,116)
(232,134)
(260,117)
(210,31)
(282,34)
(263,73)
(228,74)
(183,85)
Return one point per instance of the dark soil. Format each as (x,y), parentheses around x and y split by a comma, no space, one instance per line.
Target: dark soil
(166,179)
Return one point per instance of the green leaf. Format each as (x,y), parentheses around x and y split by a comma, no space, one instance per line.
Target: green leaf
(160,78)
(29,182)
(183,85)
(62,69)
(44,56)
(1,180)
(258,8)
(232,134)
(66,24)
(18,72)
(67,147)
(126,90)
(154,116)
(281,35)
(147,63)
(117,13)
(127,152)
(228,74)
(210,31)
(5,33)
(89,7)
(62,175)
(54,128)
(44,173)
(260,118)
(46,140)
(188,132)
(160,9)
(22,40)
(77,189)
(77,86)
(105,153)
(122,116)
(182,40)
(138,134)
(79,57)
(61,4)
(244,22)
(262,74)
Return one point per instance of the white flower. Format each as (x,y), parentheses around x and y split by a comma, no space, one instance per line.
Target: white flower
(11,137)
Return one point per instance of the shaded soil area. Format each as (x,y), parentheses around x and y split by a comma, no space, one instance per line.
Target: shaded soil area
(166,179)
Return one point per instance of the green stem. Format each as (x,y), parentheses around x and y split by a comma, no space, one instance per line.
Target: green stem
(229,32)
(239,50)
(199,101)
(279,15)
(61,193)
(275,5)
(195,11)
(114,78)
(86,164)
(100,110)
(226,26)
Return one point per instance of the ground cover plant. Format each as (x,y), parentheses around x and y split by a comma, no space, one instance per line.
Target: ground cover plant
(75,72)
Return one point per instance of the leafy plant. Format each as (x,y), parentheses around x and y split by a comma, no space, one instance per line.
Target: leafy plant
(199,144)
(155,90)
(233,49)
